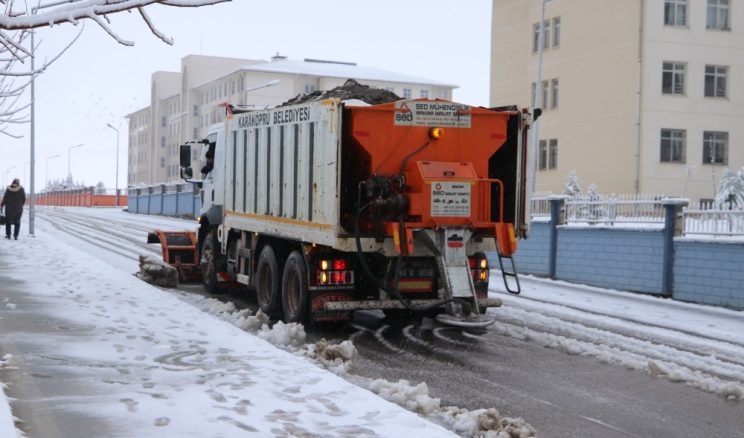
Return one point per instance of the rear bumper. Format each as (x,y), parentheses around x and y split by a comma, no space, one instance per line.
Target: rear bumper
(395,304)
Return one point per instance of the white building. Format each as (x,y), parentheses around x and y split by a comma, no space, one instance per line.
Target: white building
(639,95)
(184,104)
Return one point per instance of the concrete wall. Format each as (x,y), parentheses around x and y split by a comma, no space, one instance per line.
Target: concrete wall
(613,258)
(709,273)
(704,272)
(532,254)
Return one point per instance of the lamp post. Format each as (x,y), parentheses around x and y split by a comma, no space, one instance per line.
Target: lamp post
(46,173)
(117,162)
(69,151)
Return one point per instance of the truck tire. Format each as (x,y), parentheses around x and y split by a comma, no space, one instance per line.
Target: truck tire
(208,256)
(268,292)
(294,289)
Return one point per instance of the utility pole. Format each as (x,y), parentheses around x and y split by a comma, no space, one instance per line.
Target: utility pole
(534,130)
(117,162)
(32,169)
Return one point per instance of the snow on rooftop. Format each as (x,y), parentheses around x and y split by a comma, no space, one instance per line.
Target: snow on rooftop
(344,70)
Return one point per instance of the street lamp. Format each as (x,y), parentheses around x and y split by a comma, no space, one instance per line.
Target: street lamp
(117,162)
(271,83)
(46,174)
(69,150)
(5,175)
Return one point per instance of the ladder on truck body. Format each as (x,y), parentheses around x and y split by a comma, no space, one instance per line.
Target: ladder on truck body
(512,272)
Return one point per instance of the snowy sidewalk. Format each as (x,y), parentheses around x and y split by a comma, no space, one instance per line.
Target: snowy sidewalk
(96,349)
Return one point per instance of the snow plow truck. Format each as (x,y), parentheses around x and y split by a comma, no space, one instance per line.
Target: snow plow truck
(329,206)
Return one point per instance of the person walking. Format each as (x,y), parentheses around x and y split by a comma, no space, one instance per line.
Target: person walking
(13,201)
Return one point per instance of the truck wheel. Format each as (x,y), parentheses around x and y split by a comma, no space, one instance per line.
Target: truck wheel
(294,289)
(268,295)
(208,264)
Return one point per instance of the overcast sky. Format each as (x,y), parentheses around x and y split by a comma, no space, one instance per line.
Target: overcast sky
(99,81)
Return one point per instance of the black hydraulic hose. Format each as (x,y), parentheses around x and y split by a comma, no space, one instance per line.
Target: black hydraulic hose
(407,157)
(392,291)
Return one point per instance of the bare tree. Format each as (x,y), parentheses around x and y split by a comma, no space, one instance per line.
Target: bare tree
(20,18)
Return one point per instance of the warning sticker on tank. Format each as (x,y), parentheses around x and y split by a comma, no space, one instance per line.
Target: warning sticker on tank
(431,113)
(450,199)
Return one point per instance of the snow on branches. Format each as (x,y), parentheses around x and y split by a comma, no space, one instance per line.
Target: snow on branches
(20,18)
(72,11)
(730,194)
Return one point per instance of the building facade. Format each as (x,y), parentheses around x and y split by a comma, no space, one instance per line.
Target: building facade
(638,95)
(184,104)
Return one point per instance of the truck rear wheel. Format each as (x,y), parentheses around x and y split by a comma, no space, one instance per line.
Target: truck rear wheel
(268,295)
(294,289)
(208,264)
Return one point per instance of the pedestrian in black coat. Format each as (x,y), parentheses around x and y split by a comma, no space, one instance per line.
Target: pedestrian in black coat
(13,201)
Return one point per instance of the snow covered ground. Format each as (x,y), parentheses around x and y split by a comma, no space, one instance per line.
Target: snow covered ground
(151,362)
(161,363)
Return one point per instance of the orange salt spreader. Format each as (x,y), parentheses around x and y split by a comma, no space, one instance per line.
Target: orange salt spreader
(442,179)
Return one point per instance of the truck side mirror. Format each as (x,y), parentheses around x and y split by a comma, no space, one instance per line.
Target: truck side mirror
(185,155)
(187,172)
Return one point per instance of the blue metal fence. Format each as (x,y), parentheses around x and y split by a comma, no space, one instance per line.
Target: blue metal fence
(182,200)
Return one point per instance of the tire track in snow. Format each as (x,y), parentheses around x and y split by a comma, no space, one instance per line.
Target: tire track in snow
(76,233)
(659,336)
(611,349)
(548,304)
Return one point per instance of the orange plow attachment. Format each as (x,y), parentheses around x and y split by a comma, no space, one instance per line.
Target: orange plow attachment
(179,251)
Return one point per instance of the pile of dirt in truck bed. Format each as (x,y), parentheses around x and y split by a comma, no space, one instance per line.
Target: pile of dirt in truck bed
(351,89)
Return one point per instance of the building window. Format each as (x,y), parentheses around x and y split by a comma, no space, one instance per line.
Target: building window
(162,161)
(547,155)
(542,157)
(715,81)
(556,31)
(553,153)
(554,91)
(673,145)
(309,88)
(536,35)
(424,94)
(545,90)
(718,15)
(196,134)
(162,142)
(673,78)
(162,122)
(715,147)
(196,110)
(675,12)
(406,93)
(532,100)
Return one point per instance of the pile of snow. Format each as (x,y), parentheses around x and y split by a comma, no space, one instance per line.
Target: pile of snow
(157,272)
(7,421)
(339,358)
(486,423)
